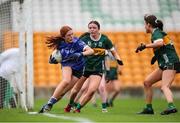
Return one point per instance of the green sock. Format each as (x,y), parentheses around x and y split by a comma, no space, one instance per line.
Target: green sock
(78,106)
(171,106)
(75,104)
(107,104)
(104,105)
(149,106)
(71,102)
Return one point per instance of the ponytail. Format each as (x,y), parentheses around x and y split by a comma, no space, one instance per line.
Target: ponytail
(159,24)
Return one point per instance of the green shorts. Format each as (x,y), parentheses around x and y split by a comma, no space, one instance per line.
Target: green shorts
(112,74)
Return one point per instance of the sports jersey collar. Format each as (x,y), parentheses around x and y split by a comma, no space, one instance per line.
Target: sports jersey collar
(154,30)
(95,39)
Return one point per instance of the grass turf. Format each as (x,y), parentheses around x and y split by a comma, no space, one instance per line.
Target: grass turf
(124,110)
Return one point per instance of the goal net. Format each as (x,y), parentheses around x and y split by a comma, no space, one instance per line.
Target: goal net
(16,61)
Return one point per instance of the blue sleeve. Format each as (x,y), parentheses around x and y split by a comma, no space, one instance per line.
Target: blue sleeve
(81,44)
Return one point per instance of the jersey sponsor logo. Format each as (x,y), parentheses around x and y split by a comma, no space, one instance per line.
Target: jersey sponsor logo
(89,43)
(99,51)
(100,44)
(94,44)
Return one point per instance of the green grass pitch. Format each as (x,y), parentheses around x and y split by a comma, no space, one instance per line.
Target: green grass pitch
(124,110)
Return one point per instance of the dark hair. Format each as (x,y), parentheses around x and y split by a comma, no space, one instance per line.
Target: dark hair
(54,41)
(153,21)
(94,22)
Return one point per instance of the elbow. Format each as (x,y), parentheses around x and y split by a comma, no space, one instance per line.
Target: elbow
(160,44)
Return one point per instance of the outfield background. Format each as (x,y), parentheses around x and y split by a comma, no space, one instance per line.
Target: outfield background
(121,20)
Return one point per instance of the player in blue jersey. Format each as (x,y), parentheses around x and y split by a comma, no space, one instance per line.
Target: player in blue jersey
(73,51)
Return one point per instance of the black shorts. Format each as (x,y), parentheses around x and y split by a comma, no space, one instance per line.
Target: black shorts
(76,73)
(88,73)
(170,66)
(177,67)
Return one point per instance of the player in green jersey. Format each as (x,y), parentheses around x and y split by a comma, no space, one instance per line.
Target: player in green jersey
(168,61)
(94,64)
(112,82)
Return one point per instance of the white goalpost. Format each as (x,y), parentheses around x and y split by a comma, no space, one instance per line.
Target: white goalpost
(16,31)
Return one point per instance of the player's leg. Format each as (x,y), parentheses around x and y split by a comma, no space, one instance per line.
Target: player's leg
(69,87)
(152,78)
(93,100)
(66,80)
(94,81)
(116,90)
(75,74)
(82,91)
(103,93)
(167,79)
(74,93)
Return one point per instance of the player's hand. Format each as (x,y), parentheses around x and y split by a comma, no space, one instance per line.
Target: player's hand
(140,48)
(120,62)
(52,60)
(75,56)
(153,60)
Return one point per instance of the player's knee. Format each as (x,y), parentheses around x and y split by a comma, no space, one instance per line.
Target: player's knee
(164,87)
(101,88)
(147,84)
(74,91)
(66,81)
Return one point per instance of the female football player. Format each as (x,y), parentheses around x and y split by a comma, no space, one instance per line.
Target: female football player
(166,56)
(73,51)
(94,63)
(112,82)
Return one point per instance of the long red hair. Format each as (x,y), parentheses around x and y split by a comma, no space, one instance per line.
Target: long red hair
(53,42)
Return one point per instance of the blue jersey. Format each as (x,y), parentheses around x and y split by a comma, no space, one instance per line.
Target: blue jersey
(67,49)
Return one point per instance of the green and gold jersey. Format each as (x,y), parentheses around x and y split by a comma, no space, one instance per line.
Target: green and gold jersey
(111,60)
(166,53)
(111,72)
(95,62)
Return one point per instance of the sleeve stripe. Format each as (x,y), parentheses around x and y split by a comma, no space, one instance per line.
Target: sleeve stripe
(158,40)
(112,49)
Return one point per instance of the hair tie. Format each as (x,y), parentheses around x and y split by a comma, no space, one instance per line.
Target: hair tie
(156,21)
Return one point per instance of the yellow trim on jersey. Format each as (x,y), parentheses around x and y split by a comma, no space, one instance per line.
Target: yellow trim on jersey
(166,40)
(113,63)
(99,51)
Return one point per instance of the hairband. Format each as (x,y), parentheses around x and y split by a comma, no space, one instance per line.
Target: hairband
(156,20)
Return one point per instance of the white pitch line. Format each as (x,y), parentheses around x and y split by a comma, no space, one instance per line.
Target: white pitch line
(77,119)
